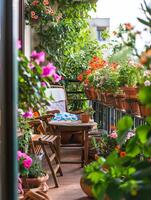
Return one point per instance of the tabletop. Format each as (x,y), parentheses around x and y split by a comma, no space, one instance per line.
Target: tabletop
(73,123)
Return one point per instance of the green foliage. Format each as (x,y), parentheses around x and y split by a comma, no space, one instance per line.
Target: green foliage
(24,139)
(129,74)
(36,170)
(68,43)
(147,11)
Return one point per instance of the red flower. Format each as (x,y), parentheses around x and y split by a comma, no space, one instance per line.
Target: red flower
(122,154)
(87,72)
(80,77)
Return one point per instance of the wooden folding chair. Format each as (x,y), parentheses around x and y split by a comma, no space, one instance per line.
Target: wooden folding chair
(46,144)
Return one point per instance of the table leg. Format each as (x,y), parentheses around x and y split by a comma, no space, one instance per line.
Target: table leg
(58,143)
(85,147)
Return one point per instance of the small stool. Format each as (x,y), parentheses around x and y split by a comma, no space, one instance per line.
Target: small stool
(48,141)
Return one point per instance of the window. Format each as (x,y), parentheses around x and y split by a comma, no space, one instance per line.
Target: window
(101,33)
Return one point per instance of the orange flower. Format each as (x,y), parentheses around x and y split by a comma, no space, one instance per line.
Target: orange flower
(122,154)
(114,65)
(128,26)
(86,81)
(148,53)
(117,148)
(143,59)
(113,128)
(80,77)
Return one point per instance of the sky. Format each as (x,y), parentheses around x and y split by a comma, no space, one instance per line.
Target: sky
(120,11)
(123,11)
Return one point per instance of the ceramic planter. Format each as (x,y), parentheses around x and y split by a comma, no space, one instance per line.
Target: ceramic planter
(85,117)
(34,182)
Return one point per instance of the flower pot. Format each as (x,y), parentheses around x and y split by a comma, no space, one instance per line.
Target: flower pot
(120,101)
(85,118)
(34,182)
(109,99)
(86,187)
(145,111)
(130,92)
(133,105)
(93,94)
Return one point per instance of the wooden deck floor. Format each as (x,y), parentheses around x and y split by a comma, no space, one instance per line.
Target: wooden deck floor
(70,182)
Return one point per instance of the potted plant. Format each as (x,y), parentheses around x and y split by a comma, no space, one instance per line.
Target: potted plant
(30,171)
(129,77)
(36,176)
(87,114)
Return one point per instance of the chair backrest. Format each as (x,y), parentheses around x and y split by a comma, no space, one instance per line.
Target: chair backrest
(59,96)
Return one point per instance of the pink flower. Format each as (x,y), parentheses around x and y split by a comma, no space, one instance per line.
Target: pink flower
(113,135)
(18,44)
(19,155)
(27,162)
(38,57)
(43,84)
(28,114)
(31,65)
(48,70)
(56,77)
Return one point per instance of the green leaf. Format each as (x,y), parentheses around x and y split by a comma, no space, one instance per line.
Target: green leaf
(124,124)
(132,148)
(142,132)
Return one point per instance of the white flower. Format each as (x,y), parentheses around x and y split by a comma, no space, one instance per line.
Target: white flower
(147,73)
(147,83)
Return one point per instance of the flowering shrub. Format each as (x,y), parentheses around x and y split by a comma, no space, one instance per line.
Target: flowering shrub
(41,12)
(34,79)
(24,162)
(105,78)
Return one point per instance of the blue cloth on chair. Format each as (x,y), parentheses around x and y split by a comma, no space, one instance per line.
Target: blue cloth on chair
(65,117)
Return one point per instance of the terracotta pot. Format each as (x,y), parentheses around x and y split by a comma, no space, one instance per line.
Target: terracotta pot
(85,117)
(34,182)
(120,101)
(87,188)
(103,98)
(130,92)
(87,91)
(93,94)
(145,111)
(109,99)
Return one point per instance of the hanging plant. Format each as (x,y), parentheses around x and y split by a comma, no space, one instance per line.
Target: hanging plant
(41,12)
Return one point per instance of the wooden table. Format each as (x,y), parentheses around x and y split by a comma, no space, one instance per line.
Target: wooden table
(73,126)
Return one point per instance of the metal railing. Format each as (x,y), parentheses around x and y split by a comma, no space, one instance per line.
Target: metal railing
(107,116)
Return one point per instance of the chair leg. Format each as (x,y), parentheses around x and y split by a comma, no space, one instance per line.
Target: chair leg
(50,165)
(54,150)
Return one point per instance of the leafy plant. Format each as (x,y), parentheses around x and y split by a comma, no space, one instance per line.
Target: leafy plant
(36,170)
(130,74)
